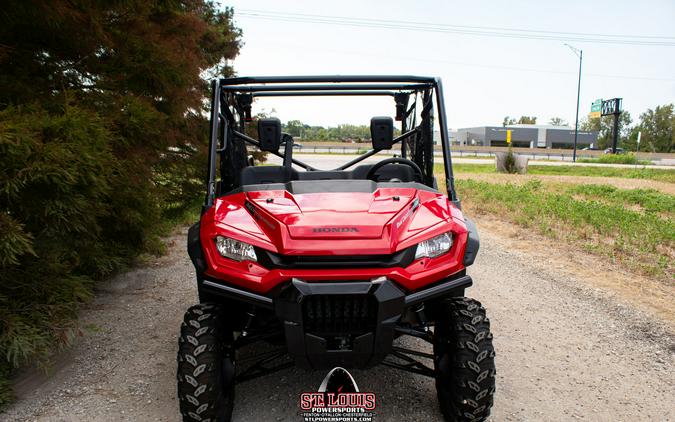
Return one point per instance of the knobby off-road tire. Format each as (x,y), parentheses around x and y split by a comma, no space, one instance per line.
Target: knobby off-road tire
(464,360)
(205,366)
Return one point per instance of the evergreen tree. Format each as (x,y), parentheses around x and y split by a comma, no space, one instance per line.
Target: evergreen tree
(101,129)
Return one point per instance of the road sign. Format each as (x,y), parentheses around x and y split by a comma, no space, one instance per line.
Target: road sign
(596,109)
(508,136)
(612,106)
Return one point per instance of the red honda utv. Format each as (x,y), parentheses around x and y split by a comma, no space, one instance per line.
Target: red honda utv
(332,267)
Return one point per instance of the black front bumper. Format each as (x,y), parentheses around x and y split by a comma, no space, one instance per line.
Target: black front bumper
(347,323)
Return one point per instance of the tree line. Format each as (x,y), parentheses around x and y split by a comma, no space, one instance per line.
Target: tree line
(102,145)
(341,132)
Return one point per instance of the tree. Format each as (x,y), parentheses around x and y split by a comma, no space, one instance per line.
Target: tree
(605,125)
(294,128)
(657,130)
(557,121)
(319,133)
(523,120)
(102,134)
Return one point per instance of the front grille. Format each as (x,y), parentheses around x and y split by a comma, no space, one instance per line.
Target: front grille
(271,260)
(334,315)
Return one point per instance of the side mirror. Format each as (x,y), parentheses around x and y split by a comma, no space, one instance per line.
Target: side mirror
(382,132)
(269,134)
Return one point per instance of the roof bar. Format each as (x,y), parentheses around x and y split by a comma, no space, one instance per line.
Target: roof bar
(331,87)
(320,93)
(326,79)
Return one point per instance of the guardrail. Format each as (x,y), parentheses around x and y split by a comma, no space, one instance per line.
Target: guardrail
(478,151)
(540,155)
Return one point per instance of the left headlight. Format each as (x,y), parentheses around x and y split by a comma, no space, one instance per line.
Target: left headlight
(234,249)
(436,246)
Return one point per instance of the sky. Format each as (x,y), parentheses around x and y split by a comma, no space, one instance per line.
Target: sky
(484,78)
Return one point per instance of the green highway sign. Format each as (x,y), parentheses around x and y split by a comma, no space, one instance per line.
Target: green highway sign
(596,109)
(597,105)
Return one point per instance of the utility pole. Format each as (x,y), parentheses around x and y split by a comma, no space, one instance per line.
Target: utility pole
(580,54)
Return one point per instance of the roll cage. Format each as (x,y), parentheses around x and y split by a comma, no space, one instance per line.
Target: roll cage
(413,96)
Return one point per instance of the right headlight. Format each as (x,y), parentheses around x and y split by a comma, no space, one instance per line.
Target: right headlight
(436,246)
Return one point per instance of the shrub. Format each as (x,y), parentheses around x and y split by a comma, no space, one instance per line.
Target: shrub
(101,123)
(55,173)
(628,158)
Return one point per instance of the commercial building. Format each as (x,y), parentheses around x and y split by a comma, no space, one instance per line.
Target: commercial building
(528,136)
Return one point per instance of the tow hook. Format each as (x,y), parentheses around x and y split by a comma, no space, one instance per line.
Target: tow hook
(250,314)
(421,317)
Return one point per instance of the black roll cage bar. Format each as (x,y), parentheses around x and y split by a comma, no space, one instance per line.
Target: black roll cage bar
(222,119)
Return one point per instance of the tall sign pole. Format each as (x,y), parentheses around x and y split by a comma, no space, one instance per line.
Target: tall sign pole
(576,120)
(579,53)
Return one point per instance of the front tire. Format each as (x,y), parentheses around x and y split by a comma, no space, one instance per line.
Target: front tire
(464,360)
(205,366)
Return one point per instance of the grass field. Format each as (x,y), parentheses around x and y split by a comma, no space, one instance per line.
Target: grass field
(631,227)
(638,173)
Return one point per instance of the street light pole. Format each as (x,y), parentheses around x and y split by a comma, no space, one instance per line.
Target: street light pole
(580,54)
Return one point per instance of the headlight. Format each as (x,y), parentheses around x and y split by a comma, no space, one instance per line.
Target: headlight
(234,249)
(434,247)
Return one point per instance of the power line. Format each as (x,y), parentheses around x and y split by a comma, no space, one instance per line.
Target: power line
(497,32)
(473,65)
(251,11)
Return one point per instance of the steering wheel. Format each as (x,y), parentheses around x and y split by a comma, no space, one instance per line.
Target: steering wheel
(396,160)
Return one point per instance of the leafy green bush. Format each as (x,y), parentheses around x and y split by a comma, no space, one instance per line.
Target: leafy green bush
(55,173)
(102,134)
(510,162)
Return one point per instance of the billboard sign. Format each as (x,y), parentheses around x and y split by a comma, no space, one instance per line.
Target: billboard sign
(612,106)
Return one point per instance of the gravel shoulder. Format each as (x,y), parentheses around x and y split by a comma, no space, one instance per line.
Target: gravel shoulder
(566,350)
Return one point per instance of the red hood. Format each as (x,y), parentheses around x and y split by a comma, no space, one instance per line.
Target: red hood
(342,215)
(327,223)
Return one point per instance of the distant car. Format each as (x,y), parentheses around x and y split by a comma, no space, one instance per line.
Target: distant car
(297,145)
(618,151)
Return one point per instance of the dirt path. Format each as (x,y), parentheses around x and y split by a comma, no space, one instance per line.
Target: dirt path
(566,351)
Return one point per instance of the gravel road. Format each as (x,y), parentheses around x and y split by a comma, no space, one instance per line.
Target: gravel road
(564,352)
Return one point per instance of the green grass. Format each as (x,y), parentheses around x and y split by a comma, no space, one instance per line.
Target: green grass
(627,173)
(629,158)
(646,200)
(633,228)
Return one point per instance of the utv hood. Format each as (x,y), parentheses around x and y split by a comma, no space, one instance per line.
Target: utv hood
(340,215)
(376,220)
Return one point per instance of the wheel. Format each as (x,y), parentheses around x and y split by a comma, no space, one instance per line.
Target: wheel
(399,160)
(464,360)
(205,365)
